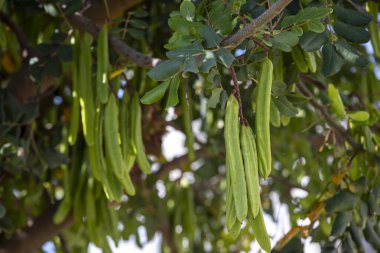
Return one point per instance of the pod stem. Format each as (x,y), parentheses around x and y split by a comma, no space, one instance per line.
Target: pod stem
(236,93)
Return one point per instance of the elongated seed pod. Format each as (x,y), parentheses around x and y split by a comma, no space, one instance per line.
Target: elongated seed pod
(260,231)
(373,27)
(187,119)
(102,66)
(111,185)
(235,160)
(230,205)
(75,111)
(299,59)
(113,149)
(95,152)
(311,62)
(262,118)
(85,90)
(278,72)
(248,147)
(90,211)
(141,158)
(125,132)
(235,230)
(79,194)
(65,205)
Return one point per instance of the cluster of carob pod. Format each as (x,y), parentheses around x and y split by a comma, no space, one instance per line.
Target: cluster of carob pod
(248,157)
(111,127)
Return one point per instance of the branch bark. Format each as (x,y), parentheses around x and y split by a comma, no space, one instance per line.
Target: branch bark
(146,61)
(118,45)
(31,238)
(251,28)
(21,38)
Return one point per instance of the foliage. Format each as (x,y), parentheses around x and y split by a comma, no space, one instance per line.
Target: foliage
(82,122)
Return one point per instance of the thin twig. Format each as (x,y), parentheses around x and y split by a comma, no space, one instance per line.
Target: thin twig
(251,29)
(317,208)
(329,119)
(21,38)
(237,95)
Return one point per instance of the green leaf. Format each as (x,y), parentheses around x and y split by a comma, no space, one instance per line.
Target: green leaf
(211,37)
(190,65)
(350,54)
(140,13)
(288,21)
(352,17)
(136,33)
(340,223)
(359,116)
(187,10)
(173,92)
(316,26)
(225,57)
(138,23)
(284,41)
(236,4)
(312,13)
(342,201)
(189,50)
(297,98)
(185,27)
(178,41)
(165,69)
(215,97)
(351,33)
(285,107)
(336,101)
(220,17)
(209,61)
(332,62)
(278,88)
(156,93)
(311,41)
(297,31)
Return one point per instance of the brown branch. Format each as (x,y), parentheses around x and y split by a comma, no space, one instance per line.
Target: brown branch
(317,208)
(26,50)
(118,45)
(21,38)
(142,60)
(180,161)
(31,238)
(329,119)
(100,11)
(251,29)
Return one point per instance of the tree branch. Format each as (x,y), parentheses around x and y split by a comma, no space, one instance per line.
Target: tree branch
(26,50)
(118,45)
(31,238)
(251,29)
(317,208)
(237,95)
(330,120)
(142,60)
